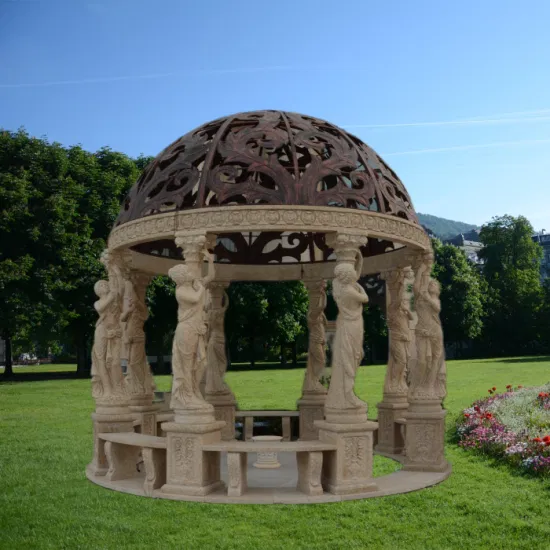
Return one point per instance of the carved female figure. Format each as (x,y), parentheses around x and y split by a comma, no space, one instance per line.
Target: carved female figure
(189,345)
(350,298)
(107,377)
(317,322)
(215,353)
(429,334)
(134,315)
(398,317)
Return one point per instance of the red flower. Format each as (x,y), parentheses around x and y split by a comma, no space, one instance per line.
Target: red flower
(494,389)
(509,387)
(476,409)
(537,440)
(541,394)
(546,438)
(489,416)
(466,415)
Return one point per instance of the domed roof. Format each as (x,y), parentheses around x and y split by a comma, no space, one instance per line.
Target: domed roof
(267,158)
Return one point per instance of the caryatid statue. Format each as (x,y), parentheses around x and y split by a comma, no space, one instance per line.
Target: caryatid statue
(217,304)
(139,380)
(316,322)
(350,297)
(107,377)
(428,380)
(398,316)
(189,345)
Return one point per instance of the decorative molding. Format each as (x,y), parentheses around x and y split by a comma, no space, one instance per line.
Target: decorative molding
(268,218)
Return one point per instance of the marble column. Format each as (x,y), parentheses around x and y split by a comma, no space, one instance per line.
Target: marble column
(349,469)
(425,418)
(190,470)
(312,403)
(139,379)
(112,413)
(217,392)
(394,403)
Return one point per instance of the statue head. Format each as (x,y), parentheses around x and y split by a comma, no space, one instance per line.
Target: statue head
(101,288)
(345,273)
(433,287)
(180,274)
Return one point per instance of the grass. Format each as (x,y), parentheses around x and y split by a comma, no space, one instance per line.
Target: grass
(46,501)
(44,368)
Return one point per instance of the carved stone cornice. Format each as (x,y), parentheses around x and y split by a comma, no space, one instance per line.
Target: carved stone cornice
(268,218)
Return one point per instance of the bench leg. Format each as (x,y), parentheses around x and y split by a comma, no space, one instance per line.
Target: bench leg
(286,428)
(310,465)
(155,469)
(122,460)
(237,465)
(248,427)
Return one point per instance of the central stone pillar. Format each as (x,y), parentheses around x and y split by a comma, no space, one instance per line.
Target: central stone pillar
(190,470)
(425,418)
(217,392)
(112,413)
(312,403)
(394,403)
(349,469)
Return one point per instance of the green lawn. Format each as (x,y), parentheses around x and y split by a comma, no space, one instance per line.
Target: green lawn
(46,501)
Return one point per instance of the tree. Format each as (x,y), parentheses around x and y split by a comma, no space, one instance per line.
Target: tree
(461,294)
(273,313)
(39,234)
(514,298)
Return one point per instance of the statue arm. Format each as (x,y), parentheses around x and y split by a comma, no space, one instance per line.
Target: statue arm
(211,272)
(190,294)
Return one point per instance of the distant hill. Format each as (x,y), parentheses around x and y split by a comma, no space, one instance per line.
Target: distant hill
(443,228)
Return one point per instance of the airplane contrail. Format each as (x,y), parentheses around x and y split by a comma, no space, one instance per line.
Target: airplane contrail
(197,72)
(467,147)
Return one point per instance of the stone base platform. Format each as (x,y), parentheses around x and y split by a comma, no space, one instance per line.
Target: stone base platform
(279,486)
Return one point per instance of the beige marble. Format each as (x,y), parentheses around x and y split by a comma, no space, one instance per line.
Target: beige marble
(342,405)
(139,379)
(190,469)
(189,345)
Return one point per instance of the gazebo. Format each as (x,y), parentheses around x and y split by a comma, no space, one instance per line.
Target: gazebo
(267,196)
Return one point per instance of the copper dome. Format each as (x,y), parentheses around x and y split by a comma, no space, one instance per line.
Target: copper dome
(267,158)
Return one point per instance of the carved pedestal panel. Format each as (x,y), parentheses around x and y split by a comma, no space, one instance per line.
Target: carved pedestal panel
(190,470)
(224,409)
(119,420)
(147,418)
(312,408)
(425,437)
(390,437)
(348,470)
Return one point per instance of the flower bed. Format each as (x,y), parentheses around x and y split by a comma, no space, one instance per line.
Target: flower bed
(513,426)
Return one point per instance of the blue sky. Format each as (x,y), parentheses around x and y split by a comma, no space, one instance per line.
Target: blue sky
(136,74)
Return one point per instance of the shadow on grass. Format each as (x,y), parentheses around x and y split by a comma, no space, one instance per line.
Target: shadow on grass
(496,360)
(40,376)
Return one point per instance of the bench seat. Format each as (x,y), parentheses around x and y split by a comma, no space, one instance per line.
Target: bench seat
(122,450)
(309,457)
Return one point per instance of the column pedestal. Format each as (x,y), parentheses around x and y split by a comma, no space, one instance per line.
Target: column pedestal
(224,409)
(147,417)
(107,419)
(311,407)
(390,438)
(348,470)
(425,437)
(190,470)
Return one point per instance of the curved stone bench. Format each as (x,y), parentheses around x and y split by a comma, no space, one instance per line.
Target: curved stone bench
(309,457)
(122,451)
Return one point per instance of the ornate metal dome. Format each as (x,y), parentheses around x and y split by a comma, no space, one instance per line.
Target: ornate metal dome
(267,158)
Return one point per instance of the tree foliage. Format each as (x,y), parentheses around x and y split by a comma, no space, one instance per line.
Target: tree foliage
(515,295)
(461,293)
